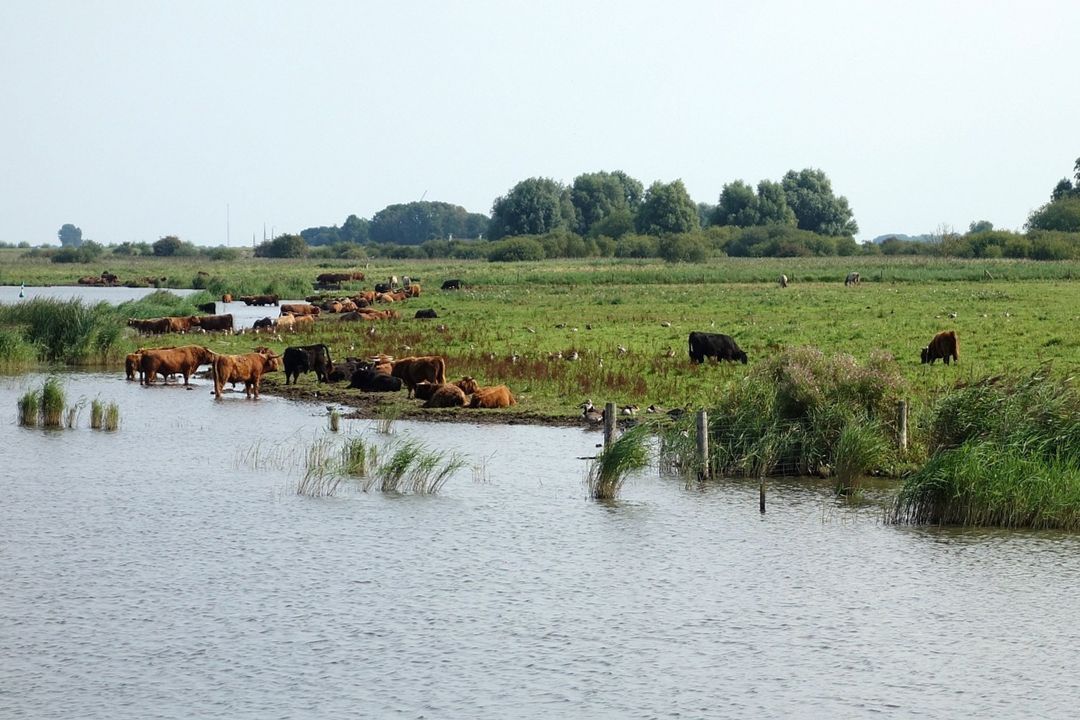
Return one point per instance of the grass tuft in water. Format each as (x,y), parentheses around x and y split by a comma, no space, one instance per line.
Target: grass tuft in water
(611,467)
(112,417)
(29,407)
(335,421)
(859,449)
(97,414)
(52,403)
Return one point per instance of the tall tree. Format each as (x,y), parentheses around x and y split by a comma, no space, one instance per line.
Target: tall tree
(417,222)
(810,195)
(667,208)
(599,195)
(737,206)
(70,236)
(532,207)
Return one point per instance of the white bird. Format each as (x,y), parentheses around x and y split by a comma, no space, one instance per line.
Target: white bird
(572,356)
(622,350)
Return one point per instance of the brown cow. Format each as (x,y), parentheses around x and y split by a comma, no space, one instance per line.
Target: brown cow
(944,345)
(247,369)
(495,396)
(180,324)
(212,323)
(226,298)
(299,309)
(413,290)
(424,390)
(446,396)
(150,326)
(270,299)
(413,370)
(184,360)
(368,314)
(467,384)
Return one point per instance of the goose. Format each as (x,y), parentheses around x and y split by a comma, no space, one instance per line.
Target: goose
(590,414)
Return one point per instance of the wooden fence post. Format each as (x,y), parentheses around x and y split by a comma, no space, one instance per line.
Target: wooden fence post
(761,495)
(703,444)
(901,425)
(610,420)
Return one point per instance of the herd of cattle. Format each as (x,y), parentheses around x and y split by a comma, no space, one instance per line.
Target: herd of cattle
(423,377)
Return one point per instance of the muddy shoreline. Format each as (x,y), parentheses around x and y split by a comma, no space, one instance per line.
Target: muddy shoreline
(380,405)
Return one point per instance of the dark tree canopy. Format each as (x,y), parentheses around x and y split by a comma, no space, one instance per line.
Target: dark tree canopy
(417,222)
(70,236)
(599,195)
(532,207)
(667,208)
(283,246)
(167,246)
(810,195)
(1062,215)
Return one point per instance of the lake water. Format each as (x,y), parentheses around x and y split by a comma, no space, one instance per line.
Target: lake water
(170,570)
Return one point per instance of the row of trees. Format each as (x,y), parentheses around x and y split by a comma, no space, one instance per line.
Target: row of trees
(605,204)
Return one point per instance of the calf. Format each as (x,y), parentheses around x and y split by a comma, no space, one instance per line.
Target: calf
(717,345)
(944,346)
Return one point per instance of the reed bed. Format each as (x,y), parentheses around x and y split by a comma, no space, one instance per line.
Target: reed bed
(61,331)
(611,467)
(1005,452)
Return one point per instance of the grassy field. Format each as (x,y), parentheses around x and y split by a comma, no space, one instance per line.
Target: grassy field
(628,322)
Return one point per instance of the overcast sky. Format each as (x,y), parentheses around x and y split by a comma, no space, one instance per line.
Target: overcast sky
(209,120)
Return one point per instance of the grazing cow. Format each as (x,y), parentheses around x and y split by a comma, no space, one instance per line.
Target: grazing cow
(446,396)
(226,298)
(428,314)
(717,345)
(214,323)
(207,307)
(265,323)
(495,396)
(247,369)
(183,360)
(454,284)
(131,364)
(413,370)
(783,281)
(367,379)
(304,358)
(299,309)
(180,324)
(944,346)
(383,288)
(851,279)
(151,326)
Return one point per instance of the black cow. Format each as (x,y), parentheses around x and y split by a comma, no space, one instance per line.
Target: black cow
(344,371)
(427,314)
(264,323)
(368,380)
(383,287)
(306,358)
(721,347)
(207,307)
(454,284)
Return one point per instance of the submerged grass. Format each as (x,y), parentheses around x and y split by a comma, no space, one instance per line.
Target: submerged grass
(1006,452)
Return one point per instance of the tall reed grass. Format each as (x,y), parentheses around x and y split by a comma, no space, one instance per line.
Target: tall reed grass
(789,416)
(1005,452)
(611,467)
(112,417)
(61,331)
(29,408)
(52,403)
(97,414)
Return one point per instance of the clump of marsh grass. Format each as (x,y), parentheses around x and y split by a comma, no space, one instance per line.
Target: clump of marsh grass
(112,417)
(15,352)
(411,467)
(384,423)
(97,414)
(611,467)
(65,331)
(788,415)
(1005,452)
(322,475)
(52,403)
(29,408)
(859,449)
(335,420)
